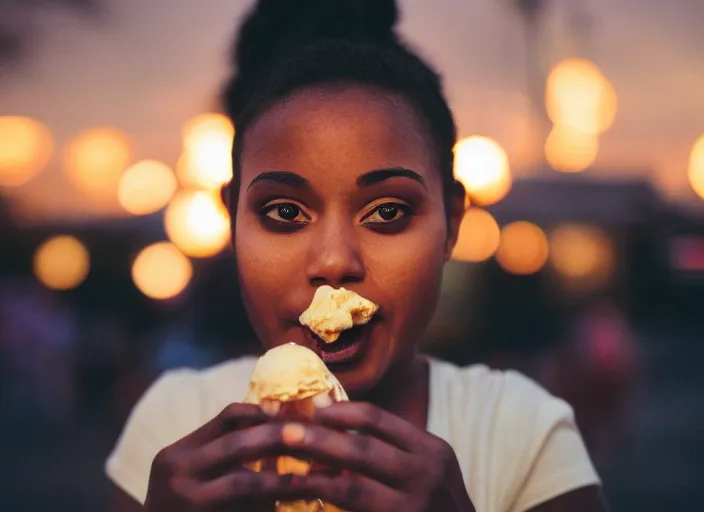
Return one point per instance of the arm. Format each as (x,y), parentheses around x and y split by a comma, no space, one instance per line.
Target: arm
(586,499)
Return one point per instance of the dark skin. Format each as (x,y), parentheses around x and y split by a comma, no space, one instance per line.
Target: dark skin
(340,183)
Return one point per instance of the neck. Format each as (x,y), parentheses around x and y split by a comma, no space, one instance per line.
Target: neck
(404,391)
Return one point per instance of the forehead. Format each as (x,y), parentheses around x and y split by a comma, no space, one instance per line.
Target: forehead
(346,130)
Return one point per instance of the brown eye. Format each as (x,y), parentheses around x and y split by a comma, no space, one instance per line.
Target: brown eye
(286,213)
(386,213)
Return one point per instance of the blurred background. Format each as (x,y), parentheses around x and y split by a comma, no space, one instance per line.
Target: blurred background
(580,261)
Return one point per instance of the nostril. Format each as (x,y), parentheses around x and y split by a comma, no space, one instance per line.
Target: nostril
(335,283)
(318,281)
(352,279)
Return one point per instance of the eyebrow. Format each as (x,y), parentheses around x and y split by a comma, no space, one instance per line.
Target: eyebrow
(284,177)
(379,175)
(365,180)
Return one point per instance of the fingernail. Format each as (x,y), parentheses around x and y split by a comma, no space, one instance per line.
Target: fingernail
(293,433)
(271,407)
(322,401)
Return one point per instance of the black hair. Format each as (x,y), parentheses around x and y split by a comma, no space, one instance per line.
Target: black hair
(287,45)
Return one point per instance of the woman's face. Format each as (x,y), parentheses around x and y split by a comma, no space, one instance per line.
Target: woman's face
(340,187)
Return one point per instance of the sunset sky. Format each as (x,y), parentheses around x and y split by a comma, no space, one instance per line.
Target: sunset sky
(147,66)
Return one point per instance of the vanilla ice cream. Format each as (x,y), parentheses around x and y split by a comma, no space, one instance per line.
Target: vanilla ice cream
(288,381)
(334,310)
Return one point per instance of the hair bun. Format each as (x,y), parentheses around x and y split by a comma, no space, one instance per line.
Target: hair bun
(275,27)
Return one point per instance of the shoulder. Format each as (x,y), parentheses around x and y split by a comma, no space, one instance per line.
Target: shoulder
(518,444)
(498,410)
(176,404)
(192,397)
(522,413)
(508,393)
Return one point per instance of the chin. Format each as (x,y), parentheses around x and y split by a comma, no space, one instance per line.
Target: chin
(361,379)
(356,385)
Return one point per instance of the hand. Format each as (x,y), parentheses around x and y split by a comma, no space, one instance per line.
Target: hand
(390,464)
(204,471)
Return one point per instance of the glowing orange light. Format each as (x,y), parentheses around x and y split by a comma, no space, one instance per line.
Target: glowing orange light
(482,166)
(570,150)
(206,161)
(523,249)
(197,223)
(26,146)
(160,271)
(61,263)
(146,187)
(95,159)
(582,254)
(696,167)
(578,95)
(479,237)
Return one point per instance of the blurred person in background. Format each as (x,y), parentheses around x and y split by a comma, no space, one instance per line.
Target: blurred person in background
(595,369)
(344,177)
(37,337)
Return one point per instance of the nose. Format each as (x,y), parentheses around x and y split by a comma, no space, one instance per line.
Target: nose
(335,256)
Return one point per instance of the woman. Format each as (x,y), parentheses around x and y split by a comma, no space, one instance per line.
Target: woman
(343,176)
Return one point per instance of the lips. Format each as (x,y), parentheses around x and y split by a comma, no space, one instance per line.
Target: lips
(349,348)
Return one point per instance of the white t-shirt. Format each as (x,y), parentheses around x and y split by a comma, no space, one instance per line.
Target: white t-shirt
(517,445)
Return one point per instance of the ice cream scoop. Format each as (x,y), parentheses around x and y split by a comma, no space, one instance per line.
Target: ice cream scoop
(292,372)
(290,381)
(333,310)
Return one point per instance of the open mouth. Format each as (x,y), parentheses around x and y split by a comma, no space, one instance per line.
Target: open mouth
(346,350)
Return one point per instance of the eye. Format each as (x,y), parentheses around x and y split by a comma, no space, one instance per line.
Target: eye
(386,213)
(286,212)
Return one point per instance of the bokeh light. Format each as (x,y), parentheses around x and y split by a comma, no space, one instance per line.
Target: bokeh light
(61,263)
(206,161)
(198,223)
(479,236)
(26,146)
(523,249)
(696,167)
(583,254)
(95,159)
(146,187)
(570,150)
(160,271)
(482,166)
(578,95)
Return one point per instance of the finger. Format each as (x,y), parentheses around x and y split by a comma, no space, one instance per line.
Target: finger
(235,448)
(351,492)
(369,419)
(360,453)
(235,486)
(234,416)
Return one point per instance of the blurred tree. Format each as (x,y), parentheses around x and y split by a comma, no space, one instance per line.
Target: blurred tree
(18,23)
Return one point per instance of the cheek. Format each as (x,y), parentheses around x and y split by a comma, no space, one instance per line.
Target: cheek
(261,256)
(267,267)
(408,270)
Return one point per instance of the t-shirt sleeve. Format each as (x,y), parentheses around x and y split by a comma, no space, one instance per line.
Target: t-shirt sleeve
(562,463)
(151,426)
